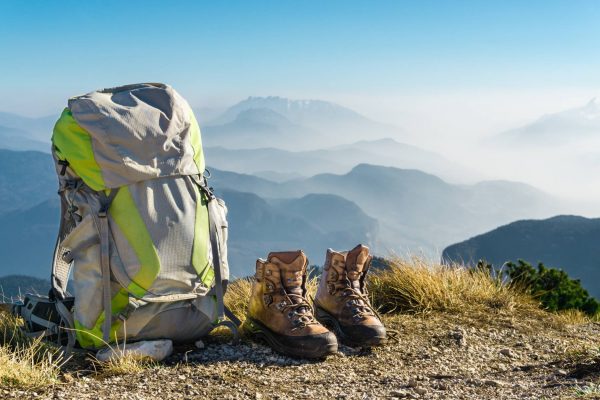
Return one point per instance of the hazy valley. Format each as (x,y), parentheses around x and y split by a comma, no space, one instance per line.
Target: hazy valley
(298,174)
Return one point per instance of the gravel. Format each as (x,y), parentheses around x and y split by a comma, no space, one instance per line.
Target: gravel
(437,357)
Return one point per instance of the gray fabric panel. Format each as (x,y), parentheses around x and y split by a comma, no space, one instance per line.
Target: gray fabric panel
(138,132)
(87,275)
(180,321)
(123,260)
(167,207)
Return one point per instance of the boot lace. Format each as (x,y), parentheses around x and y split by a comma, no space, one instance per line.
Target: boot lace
(361,307)
(297,306)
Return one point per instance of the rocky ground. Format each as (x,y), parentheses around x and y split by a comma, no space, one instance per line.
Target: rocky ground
(437,356)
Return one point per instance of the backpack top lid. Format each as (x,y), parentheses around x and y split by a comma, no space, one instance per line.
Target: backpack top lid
(119,136)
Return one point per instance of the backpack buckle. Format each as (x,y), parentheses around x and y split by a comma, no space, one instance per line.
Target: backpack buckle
(64,164)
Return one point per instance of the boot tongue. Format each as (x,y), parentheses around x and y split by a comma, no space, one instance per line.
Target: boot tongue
(292,266)
(356,261)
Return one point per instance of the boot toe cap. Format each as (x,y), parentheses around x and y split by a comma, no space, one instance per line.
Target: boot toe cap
(312,346)
(365,335)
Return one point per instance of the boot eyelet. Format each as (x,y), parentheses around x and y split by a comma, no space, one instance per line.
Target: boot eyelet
(268,299)
(331,288)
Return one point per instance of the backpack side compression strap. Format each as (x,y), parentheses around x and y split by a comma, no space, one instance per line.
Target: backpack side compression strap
(220,284)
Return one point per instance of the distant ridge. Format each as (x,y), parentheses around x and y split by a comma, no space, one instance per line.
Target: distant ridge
(566,241)
(339,159)
(13,287)
(576,124)
(291,124)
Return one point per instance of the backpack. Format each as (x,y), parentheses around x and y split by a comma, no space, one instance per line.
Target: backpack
(142,238)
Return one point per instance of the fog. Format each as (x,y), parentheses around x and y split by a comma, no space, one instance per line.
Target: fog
(464,125)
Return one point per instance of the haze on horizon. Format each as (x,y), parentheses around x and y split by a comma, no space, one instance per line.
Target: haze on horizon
(451,75)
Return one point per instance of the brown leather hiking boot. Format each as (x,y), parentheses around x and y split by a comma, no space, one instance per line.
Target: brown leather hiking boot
(341,302)
(279,312)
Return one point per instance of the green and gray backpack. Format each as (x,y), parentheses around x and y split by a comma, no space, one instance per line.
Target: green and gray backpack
(142,238)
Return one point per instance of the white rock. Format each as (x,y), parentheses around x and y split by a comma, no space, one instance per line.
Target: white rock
(199,344)
(156,350)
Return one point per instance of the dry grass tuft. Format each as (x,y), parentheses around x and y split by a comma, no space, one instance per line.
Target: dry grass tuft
(574,317)
(124,363)
(237,296)
(25,363)
(419,287)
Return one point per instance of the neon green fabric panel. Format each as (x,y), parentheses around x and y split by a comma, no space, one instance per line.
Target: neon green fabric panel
(74,144)
(200,249)
(125,214)
(196,142)
(92,338)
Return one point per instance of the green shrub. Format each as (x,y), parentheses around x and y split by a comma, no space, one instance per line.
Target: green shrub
(552,287)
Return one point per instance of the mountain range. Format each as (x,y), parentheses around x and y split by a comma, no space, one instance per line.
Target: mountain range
(280,165)
(313,223)
(13,287)
(291,183)
(417,212)
(26,179)
(291,125)
(22,133)
(555,129)
(388,208)
(565,241)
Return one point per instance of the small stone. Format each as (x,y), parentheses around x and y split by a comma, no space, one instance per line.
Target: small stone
(507,353)
(199,344)
(412,383)
(258,396)
(491,382)
(562,372)
(460,336)
(421,391)
(399,393)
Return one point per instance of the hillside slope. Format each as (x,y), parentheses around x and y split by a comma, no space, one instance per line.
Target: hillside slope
(256,227)
(27,239)
(565,241)
(26,179)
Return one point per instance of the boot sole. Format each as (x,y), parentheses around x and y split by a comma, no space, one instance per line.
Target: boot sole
(332,323)
(259,331)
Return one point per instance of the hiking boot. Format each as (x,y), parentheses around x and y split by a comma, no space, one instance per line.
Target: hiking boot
(279,312)
(341,302)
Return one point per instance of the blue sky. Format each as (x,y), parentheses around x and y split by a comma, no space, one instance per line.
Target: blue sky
(220,51)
